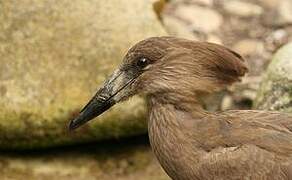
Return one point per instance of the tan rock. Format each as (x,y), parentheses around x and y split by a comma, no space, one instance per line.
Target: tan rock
(200,18)
(249,47)
(204,2)
(270,3)
(176,28)
(227,103)
(241,8)
(214,39)
(285,11)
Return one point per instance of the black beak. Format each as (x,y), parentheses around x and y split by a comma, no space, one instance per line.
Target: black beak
(106,97)
(96,106)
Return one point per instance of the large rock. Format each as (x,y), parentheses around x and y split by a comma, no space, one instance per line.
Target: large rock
(276,89)
(54,54)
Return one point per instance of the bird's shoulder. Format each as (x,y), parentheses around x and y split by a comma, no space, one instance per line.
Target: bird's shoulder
(273,118)
(271,131)
(245,140)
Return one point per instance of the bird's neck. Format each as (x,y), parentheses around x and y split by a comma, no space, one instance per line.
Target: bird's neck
(166,104)
(170,128)
(172,114)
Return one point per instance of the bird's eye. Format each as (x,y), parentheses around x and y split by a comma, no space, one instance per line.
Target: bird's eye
(142,62)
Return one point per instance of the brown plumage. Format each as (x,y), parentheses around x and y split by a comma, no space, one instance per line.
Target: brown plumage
(190,143)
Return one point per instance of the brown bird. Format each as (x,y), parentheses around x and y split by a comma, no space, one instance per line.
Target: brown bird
(190,143)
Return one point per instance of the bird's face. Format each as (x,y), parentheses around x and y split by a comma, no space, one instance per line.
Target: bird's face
(162,65)
(127,80)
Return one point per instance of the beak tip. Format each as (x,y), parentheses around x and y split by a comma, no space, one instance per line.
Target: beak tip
(73,125)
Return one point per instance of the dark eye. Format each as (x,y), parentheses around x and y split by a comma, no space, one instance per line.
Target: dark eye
(142,62)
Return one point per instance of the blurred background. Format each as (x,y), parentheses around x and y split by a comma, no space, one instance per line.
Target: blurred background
(54,54)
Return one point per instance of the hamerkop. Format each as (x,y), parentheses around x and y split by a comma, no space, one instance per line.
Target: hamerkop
(190,143)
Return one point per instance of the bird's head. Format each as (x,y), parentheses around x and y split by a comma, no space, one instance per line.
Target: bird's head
(160,65)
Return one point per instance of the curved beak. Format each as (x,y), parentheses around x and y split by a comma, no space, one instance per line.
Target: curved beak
(113,90)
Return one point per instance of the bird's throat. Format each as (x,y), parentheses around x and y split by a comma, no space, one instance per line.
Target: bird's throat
(169,128)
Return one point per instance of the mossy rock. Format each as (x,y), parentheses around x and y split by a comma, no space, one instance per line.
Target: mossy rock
(275,92)
(54,54)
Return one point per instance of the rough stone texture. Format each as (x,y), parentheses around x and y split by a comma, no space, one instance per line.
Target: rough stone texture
(54,54)
(275,92)
(104,161)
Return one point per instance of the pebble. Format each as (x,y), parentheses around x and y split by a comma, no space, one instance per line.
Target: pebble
(227,103)
(200,18)
(243,9)
(204,2)
(177,28)
(270,3)
(214,39)
(285,11)
(276,39)
(279,36)
(249,47)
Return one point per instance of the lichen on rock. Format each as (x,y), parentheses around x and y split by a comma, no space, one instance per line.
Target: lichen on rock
(275,92)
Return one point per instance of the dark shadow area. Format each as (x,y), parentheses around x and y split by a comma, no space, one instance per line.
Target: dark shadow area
(102,147)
